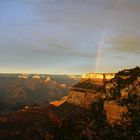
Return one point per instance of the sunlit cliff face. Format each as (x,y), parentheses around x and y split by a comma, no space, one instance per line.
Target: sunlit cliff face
(100,76)
(59,102)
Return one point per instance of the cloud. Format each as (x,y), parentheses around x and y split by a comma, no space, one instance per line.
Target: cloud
(67,33)
(125,44)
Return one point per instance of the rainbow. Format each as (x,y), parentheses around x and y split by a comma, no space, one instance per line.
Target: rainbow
(99,51)
(103,35)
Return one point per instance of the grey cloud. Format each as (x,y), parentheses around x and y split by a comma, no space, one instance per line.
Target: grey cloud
(125,44)
(67,33)
(71,13)
(92,16)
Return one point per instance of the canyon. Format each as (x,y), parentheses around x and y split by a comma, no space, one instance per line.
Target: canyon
(102,111)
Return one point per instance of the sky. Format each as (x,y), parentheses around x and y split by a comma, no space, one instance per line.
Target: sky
(69,36)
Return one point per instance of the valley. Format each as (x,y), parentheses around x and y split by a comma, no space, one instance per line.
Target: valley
(103,114)
(18,91)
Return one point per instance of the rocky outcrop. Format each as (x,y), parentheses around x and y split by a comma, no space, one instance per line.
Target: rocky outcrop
(132,88)
(122,91)
(59,102)
(114,112)
(82,98)
(83,94)
(36,77)
(100,76)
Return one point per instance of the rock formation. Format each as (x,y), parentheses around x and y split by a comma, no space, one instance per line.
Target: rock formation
(98,76)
